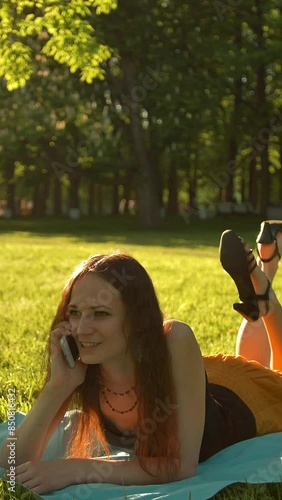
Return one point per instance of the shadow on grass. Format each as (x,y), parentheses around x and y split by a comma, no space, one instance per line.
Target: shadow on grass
(125,229)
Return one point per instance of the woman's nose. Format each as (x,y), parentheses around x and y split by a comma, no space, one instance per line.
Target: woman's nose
(85,326)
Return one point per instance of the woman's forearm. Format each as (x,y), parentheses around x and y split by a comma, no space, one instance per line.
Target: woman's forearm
(32,435)
(46,476)
(125,472)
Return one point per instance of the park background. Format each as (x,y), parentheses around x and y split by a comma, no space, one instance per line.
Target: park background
(153,107)
(145,126)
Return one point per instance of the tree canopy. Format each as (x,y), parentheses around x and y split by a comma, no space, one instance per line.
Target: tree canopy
(157,101)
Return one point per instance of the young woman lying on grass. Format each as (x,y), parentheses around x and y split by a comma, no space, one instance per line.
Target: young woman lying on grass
(142,384)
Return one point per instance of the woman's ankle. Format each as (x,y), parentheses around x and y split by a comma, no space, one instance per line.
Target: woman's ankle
(261,286)
(266,251)
(273,302)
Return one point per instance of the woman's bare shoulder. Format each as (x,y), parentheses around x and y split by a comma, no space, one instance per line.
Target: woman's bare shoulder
(181,341)
(175,329)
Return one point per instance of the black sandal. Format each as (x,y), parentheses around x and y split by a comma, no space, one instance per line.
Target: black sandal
(234,260)
(267,235)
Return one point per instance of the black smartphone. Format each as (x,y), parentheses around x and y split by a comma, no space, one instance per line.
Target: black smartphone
(70,349)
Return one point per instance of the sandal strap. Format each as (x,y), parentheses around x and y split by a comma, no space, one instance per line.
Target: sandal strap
(252,260)
(265,296)
(275,253)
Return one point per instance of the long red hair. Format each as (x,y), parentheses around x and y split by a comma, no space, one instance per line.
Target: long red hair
(153,371)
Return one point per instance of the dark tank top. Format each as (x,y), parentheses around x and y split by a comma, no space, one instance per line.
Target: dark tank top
(228,420)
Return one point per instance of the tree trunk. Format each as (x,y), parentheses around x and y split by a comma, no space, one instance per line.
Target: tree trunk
(157,178)
(243,187)
(192,192)
(57,196)
(126,196)
(234,130)
(193,182)
(221,195)
(115,197)
(44,194)
(148,202)
(36,198)
(232,153)
(127,187)
(74,178)
(91,198)
(172,206)
(11,192)
(263,109)
(40,195)
(253,186)
(265,181)
(100,199)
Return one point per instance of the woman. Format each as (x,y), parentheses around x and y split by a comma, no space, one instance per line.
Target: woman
(141,383)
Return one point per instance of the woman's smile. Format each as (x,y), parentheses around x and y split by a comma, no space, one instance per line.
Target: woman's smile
(87,345)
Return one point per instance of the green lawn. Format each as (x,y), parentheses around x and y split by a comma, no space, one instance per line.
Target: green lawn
(37,256)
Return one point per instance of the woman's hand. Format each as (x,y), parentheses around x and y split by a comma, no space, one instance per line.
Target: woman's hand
(44,477)
(61,374)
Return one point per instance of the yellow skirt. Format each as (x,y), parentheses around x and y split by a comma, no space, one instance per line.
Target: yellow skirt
(259,388)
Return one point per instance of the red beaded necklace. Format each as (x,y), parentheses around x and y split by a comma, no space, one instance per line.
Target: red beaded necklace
(105,389)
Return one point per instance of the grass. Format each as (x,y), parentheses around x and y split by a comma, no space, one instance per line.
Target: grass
(37,256)
(20,493)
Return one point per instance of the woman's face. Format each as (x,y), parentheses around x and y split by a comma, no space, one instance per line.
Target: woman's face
(97,317)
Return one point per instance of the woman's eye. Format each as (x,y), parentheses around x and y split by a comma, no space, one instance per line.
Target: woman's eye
(73,313)
(101,313)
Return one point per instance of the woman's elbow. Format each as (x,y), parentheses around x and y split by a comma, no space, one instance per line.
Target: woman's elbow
(186,470)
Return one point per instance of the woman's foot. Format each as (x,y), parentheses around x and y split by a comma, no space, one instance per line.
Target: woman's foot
(269,247)
(252,284)
(269,256)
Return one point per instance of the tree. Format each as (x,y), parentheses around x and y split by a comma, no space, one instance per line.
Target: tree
(64,31)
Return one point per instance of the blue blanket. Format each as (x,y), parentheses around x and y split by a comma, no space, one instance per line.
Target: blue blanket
(257,460)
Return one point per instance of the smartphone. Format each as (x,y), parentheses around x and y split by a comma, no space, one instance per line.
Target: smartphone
(70,350)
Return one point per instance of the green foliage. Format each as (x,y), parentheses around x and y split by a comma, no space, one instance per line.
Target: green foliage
(64,31)
(103,6)
(11,56)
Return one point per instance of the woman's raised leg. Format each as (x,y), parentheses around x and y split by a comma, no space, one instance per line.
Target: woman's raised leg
(272,317)
(252,340)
